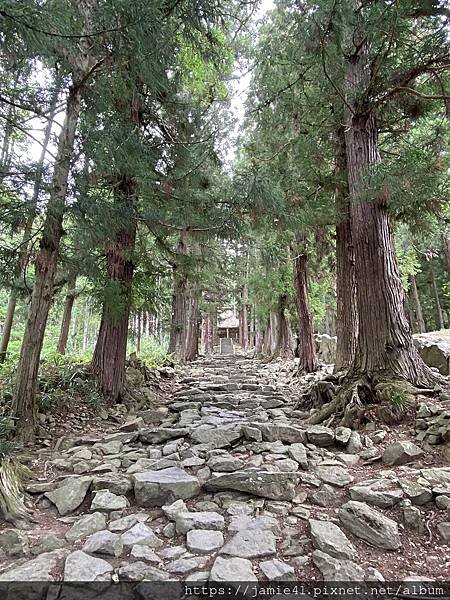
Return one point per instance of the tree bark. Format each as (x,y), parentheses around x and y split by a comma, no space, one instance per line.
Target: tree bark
(23,252)
(110,350)
(346,309)
(307,348)
(439,315)
(384,345)
(67,314)
(416,305)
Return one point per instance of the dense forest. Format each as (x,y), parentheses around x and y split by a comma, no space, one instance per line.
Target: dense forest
(165,164)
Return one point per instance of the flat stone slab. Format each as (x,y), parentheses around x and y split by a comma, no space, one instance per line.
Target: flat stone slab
(232,569)
(185,521)
(268,484)
(216,437)
(202,541)
(251,543)
(334,475)
(379,492)
(156,488)
(41,568)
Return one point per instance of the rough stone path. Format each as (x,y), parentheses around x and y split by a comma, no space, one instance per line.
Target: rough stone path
(226,482)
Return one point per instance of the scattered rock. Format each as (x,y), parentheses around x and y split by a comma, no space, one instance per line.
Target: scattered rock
(141,534)
(330,539)
(70,494)
(401,453)
(82,567)
(85,526)
(444,531)
(277,570)
(334,569)
(104,542)
(232,570)
(106,502)
(320,436)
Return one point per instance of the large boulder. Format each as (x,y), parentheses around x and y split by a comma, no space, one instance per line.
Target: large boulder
(156,488)
(370,525)
(268,484)
(434,348)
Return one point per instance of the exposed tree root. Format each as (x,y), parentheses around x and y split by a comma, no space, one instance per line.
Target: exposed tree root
(351,402)
(12,505)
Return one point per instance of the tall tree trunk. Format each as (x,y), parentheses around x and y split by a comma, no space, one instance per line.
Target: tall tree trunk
(439,315)
(193,331)
(416,305)
(384,344)
(346,309)
(208,333)
(144,321)
(139,331)
(87,316)
(177,341)
(24,399)
(446,242)
(67,314)
(23,252)
(110,350)
(244,318)
(307,348)
(24,405)
(283,344)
